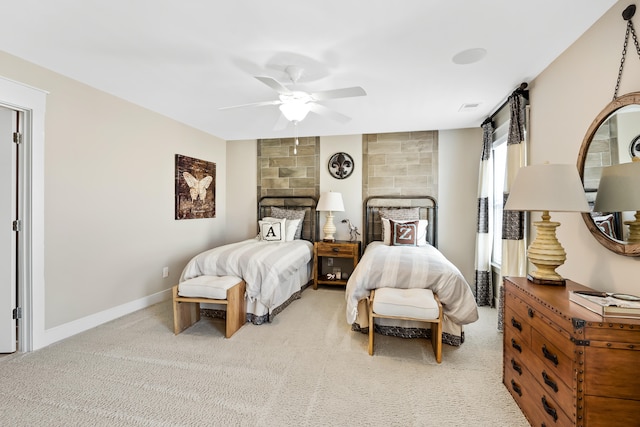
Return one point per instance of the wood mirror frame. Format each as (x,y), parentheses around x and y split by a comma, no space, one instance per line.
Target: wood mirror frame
(616,246)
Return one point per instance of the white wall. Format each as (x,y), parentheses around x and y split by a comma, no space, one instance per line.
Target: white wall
(109,225)
(351,187)
(242,192)
(459,159)
(565,99)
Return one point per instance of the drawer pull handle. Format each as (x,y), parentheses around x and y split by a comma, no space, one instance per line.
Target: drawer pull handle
(548,381)
(530,312)
(516,324)
(516,367)
(336,250)
(515,345)
(549,355)
(551,411)
(516,388)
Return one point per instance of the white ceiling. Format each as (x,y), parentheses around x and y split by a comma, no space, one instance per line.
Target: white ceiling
(187,58)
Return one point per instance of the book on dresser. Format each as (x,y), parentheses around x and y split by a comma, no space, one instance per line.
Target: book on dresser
(608,304)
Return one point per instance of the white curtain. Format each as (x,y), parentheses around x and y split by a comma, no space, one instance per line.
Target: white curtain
(514,261)
(484,232)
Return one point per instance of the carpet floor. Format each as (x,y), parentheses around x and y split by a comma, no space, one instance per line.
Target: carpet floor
(306,368)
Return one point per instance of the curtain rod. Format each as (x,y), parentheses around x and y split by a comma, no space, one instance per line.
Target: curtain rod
(521,90)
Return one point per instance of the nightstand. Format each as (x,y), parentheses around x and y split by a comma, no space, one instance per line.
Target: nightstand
(333,262)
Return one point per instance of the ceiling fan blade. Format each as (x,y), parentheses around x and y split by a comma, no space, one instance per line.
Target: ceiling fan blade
(346,92)
(274,84)
(282,123)
(327,112)
(253,104)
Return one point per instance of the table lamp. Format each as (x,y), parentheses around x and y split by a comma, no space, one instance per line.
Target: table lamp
(547,188)
(619,191)
(330,202)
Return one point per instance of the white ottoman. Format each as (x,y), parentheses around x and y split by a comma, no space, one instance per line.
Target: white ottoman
(227,290)
(413,304)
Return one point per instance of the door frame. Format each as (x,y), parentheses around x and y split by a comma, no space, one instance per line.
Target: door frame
(31,287)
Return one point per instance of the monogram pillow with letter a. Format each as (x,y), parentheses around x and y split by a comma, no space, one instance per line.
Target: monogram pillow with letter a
(404,233)
(272,230)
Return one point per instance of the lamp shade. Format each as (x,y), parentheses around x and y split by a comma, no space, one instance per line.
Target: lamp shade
(547,187)
(330,201)
(619,188)
(295,111)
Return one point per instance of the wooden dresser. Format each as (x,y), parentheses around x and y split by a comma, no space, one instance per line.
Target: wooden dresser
(565,365)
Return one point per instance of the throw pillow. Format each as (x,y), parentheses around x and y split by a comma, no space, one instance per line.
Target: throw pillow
(400,214)
(272,231)
(421,237)
(404,233)
(290,214)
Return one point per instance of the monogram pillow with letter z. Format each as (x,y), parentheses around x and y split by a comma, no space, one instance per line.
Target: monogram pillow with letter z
(404,233)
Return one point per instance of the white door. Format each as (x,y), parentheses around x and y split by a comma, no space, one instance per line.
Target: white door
(8,237)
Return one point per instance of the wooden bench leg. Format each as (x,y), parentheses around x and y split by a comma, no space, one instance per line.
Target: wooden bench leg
(436,340)
(436,333)
(185,314)
(371,325)
(236,309)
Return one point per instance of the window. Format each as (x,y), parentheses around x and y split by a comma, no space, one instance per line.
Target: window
(499,157)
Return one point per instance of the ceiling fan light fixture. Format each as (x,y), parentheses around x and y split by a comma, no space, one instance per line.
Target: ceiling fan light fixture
(295,111)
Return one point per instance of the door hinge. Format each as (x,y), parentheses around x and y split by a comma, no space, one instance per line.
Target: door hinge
(17,313)
(17,225)
(17,137)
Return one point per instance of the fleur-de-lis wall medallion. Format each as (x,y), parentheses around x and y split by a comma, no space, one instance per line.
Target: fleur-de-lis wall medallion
(340,165)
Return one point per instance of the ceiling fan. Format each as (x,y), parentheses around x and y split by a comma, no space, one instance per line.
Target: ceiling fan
(296,104)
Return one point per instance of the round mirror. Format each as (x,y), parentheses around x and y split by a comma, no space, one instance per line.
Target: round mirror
(612,139)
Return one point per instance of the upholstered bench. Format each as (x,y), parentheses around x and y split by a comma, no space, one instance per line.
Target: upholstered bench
(413,304)
(227,290)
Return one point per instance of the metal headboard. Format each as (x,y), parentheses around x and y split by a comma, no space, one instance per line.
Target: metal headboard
(308,204)
(428,209)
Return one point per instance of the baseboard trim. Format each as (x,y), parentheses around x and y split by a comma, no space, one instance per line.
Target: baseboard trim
(70,329)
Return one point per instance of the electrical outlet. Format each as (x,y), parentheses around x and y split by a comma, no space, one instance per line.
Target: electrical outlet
(329,262)
(165,272)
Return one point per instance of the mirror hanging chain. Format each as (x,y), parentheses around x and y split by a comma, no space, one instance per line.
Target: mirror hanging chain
(627,14)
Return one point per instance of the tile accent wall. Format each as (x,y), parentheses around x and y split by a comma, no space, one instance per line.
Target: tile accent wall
(404,163)
(281,173)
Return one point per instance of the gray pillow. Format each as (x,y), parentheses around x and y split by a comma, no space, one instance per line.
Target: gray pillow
(277,212)
(400,214)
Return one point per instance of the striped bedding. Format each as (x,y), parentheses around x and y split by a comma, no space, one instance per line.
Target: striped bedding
(411,267)
(262,265)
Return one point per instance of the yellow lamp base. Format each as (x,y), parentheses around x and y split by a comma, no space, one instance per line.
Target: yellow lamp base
(634,229)
(546,253)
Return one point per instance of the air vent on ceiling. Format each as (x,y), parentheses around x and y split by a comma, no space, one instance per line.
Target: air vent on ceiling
(469,107)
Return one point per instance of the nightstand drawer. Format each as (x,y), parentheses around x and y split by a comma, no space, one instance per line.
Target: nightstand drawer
(337,250)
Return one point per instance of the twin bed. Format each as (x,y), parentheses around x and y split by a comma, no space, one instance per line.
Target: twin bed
(390,261)
(276,269)
(276,272)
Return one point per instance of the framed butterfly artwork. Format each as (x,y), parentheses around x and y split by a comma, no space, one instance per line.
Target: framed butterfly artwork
(195,181)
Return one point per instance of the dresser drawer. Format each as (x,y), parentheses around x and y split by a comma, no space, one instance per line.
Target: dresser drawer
(337,250)
(555,381)
(611,372)
(548,411)
(515,346)
(518,325)
(537,406)
(554,361)
(517,305)
(604,411)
